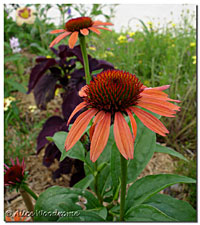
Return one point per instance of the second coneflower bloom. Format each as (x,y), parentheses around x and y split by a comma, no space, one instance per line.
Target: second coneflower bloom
(111,95)
(74,27)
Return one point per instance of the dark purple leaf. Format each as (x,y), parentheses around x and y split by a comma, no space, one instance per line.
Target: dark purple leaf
(44,91)
(51,153)
(65,167)
(99,64)
(79,174)
(38,71)
(51,126)
(70,101)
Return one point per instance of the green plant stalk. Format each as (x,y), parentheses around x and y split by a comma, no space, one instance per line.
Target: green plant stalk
(96,184)
(28,190)
(85,58)
(123,186)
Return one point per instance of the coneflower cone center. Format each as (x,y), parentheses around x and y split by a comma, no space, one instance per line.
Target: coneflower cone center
(78,23)
(13,173)
(113,91)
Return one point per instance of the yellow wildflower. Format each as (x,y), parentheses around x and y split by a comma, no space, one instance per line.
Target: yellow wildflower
(32,108)
(131,34)
(122,39)
(192,44)
(92,48)
(7,102)
(150,24)
(173,24)
(194,59)
(147,83)
(48,57)
(173,45)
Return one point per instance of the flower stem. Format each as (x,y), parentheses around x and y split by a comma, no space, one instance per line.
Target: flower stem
(28,190)
(96,184)
(85,58)
(123,186)
(27,200)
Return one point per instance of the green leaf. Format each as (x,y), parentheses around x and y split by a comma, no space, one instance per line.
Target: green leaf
(17,86)
(64,201)
(146,213)
(85,182)
(147,186)
(177,209)
(115,168)
(85,216)
(144,148)
(170,151)
(77,152)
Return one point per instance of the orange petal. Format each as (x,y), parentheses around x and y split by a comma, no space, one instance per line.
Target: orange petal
(133,124)
(156,108)
(97,118)
(157,96)
(123,136)
(78,108)
(94,30)
(154,92)
(103,28)
(57,31)
(150,121)
(79,127)
(100,137)
(73,39)
(161,88)
(84,31)
(169,105)
(82,92)
(59,38)
(7,219)
(97,23)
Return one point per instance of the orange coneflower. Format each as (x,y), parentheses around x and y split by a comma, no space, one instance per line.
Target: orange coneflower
(17,218)
(74,27)
(112,94)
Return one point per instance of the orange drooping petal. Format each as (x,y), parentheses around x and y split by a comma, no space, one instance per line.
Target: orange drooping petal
(161,88)
(97,23)
(84,31)
(133,124)
(78,108)
(59,38)
(94,30)
(79,127)
(154,92)
(169,105)
(150,121)
(7,219)
(73,39)
(57,31)
(100,137)
(82,92)
(156,108)
(103,28)
(97,118)
(123,136)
